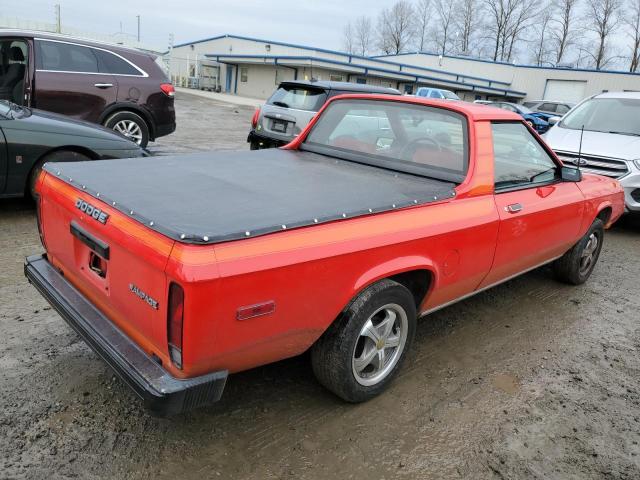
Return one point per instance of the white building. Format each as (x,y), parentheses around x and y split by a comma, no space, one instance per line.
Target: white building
(253,68)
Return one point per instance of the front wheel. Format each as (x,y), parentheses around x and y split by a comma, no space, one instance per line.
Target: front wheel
(130,125)
(576,266)
(361,353)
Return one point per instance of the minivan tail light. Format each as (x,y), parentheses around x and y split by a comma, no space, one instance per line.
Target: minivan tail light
(256,116)
(175,322)
(168,89)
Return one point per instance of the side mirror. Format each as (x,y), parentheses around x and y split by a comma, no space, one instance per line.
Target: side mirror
(554,120)
(570,174)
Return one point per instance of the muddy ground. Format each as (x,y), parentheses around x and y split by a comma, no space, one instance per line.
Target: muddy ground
(532,379)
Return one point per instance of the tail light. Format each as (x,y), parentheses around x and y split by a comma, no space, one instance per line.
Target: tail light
(175,322)
(168,89)
(256,116)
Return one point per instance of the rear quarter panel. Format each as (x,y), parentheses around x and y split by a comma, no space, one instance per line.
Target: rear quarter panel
(312,273)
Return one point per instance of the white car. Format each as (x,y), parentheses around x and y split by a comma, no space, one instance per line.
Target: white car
(611,140)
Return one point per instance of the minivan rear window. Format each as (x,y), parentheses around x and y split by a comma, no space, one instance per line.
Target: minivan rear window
(298,97)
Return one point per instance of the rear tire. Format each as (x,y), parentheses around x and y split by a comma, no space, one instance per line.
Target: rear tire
(576,266)
(130,125)
(362,351)
(59,156)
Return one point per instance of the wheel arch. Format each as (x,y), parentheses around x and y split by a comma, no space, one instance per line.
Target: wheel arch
(64,148)
(605,211)
(133,108)
(417,273)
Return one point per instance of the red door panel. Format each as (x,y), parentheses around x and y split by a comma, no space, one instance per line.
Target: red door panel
(536,225)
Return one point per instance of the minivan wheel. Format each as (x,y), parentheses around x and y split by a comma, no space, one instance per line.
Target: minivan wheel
(130,125)
(362,351)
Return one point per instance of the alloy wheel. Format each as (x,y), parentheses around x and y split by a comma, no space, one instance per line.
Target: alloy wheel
(589,253)
(129,129)
(380,344)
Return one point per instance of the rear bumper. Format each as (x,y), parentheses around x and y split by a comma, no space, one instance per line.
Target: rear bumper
(165,129)
(162,393)
(264,141)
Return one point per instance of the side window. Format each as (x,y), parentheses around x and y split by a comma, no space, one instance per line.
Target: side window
(562,109)
(531,105)
(110,63)
(519,159)
(64,57)
(548,107)
(435,94)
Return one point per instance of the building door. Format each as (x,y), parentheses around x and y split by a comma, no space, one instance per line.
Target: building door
(565,90)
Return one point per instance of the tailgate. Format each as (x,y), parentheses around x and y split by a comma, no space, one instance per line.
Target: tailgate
(116,262)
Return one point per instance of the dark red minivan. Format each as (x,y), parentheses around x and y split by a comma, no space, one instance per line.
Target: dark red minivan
(121,88)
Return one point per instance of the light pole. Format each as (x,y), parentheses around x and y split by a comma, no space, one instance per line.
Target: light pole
(58,24)
(138,17)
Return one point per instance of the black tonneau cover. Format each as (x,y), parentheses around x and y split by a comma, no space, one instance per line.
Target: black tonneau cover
(220,196)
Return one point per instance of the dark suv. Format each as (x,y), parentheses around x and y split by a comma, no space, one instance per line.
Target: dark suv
(121,88)
(293,105)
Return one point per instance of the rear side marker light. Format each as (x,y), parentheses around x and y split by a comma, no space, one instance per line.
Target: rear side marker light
(175,322)
(256,116)
(168,89)
(251,311)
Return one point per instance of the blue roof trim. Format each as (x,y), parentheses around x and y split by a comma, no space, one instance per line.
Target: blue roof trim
(344,54)
(367,68)
(518,65)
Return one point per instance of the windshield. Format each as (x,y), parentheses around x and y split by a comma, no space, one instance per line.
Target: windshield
(415,139)
(609,115)
(298,97)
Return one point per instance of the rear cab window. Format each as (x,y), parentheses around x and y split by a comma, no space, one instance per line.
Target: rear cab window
(416,139)
(298,97)
(519,159)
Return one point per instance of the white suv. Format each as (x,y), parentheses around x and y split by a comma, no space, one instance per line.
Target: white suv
(611,141)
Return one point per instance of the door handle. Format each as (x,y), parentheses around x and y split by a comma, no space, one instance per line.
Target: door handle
(513,208)
(103,85)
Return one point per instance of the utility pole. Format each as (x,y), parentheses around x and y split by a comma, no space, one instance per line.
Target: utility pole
(138,17)
(58,23)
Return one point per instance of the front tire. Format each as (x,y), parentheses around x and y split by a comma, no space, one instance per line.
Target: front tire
(362,351)
(130,125)
(575,266)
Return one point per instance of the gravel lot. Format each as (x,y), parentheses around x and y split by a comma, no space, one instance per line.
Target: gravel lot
(532,379)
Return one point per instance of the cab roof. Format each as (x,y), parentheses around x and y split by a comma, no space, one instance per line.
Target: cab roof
(474,111)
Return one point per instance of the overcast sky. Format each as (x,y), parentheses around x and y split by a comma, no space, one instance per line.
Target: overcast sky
(316,23)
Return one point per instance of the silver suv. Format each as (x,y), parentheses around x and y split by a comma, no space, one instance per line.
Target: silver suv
(292,106)
(611,141)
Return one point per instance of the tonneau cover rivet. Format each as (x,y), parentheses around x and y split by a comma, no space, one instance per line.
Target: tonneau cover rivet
(393,206)
(58,172)
(182,236)
(247,233)
(114,204)
(315,220)
(205,238)
(83,187)
(98,194)
(151,224)
(284,227)
(70,179)
(344,215)
(371,210)
(131,212)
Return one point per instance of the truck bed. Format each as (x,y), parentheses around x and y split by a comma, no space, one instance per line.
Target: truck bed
(220,196)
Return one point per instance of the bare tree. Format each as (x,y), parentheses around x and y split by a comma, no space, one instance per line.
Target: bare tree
(422,20)
(444,15)
(603,16)
(504,18)
(363,33)
(348,39)
(466,21)
(542,36)
(525,15)
(562,34)
(633,23)
(395,27)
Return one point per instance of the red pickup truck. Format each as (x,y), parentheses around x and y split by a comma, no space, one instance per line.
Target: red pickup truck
(180,270)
